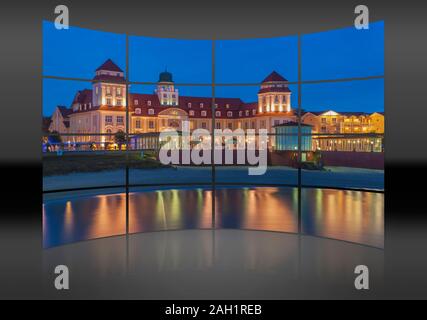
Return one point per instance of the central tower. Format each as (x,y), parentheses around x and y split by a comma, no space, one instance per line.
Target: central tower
(274,95)
(168,95)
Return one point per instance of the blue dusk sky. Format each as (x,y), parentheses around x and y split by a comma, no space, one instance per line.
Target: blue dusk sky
(341,53)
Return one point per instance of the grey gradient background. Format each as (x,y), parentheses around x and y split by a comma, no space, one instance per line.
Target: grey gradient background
(22,272)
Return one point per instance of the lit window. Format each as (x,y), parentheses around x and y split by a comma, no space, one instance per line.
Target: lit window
(108,90)
(108,102)
(191,112)
(218,113)
(203,113)
(118,102)
(150,111)
(119,91)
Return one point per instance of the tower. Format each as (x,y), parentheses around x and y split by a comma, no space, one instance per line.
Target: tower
(109,86)
(168,95)
(274,95)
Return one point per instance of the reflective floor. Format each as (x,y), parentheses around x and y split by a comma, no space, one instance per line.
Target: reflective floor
(354,216)
(214,264)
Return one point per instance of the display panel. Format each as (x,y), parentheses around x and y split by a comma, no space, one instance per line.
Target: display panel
(318,147)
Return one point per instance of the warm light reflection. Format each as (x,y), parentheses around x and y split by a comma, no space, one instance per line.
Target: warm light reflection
(347,215)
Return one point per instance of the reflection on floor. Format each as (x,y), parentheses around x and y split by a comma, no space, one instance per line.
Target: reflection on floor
(214,264)
(354,216)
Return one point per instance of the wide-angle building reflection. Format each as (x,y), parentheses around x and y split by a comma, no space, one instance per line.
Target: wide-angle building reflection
(354,216)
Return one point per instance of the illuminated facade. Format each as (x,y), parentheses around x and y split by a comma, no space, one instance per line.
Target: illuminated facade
(102,109)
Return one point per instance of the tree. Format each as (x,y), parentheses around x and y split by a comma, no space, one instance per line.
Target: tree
(120,138)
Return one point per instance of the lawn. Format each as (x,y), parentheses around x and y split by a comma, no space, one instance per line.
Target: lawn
(91,162)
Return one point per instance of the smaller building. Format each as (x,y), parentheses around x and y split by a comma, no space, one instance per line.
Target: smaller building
(287,136)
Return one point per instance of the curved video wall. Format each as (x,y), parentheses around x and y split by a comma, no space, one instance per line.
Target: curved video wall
(146,134)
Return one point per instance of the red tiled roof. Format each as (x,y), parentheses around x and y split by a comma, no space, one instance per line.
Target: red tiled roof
(83,96)
(65,112)
(274,77)
(234,106)
(109,65)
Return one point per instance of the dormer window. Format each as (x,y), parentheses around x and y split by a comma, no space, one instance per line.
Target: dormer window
(189,104)
(191,112)
(247,113)
(201,105)
(149,103)
(227,106)
(203,113)
(150,111)
(229,114)
(240,113)
(253,111)
(216,105)
(218,113)
(135,102)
